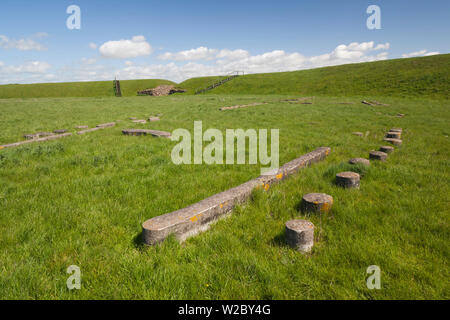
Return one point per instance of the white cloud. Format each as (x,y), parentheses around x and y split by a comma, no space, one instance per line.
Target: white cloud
(226,61)
(420,53)
(21,44)
(201,53)
(93,46)
(28,67)
(221,62)
(123,49)
(33,71)
(238,54)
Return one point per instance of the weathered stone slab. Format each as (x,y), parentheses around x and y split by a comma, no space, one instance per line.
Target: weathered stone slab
(396,130)
(316,203)
(82,127)
(300,235)
(106,125)
(387,149)
(144,132)
(359,161)
(242,106)
(153,119)
(393,135)
(196,218)
(395,142)
(37,135)
(348,179)
(60,131)
(378,155)
(54,137)
(359,134)
(90,130)
(140,121)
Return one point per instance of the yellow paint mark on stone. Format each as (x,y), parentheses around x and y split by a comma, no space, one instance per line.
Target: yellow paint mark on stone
(221,206)
(194,219)
(280,176)
(325,207)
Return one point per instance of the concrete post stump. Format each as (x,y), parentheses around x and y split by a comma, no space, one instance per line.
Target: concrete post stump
(387,149)
(359,134)
(300,235)
(317,202)
(395,142)
(348,180)
(394,135)
(359,161)
(378,155)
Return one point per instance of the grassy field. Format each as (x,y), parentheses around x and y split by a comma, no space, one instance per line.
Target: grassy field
(415,77)
(81,201)
(77,89)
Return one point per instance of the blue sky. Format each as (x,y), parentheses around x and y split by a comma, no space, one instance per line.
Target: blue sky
(180,39)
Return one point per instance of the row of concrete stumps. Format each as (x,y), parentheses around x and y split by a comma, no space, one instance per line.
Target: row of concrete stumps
(300,233)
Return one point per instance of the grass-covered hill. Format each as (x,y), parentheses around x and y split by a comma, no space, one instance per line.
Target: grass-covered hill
(414,77)
(194,84)
(426,77)
(77,89)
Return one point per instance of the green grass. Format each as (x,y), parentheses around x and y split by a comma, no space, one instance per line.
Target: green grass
(194,84)
(81,201)
(77,89)
(425,77)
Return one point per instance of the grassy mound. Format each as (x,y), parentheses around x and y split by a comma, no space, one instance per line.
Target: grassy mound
(194,84)
(77,89)
(415,77)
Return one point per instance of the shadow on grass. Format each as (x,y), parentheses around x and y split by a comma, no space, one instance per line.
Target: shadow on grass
(138,241)
(279,241)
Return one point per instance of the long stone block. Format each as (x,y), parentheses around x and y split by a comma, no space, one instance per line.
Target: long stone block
(196,218)
(144,132)
(54,137)
(106,125)
(90,130)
